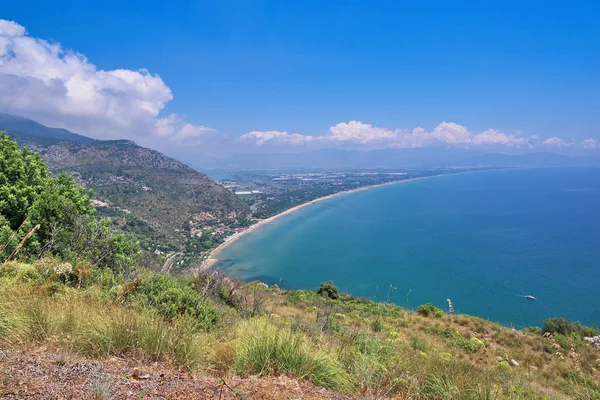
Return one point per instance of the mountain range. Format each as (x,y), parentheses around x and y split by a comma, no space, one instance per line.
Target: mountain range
(424,157)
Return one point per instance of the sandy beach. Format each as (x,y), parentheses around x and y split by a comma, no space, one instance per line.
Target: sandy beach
(212,260)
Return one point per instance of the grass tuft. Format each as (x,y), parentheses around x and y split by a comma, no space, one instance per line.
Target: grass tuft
(263,349)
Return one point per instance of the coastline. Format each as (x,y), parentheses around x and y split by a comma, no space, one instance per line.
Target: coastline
(211,260)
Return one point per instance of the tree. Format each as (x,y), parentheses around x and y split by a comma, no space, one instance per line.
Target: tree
(429,309)
(23,176)
(41,215)
(328,289)
(58,201)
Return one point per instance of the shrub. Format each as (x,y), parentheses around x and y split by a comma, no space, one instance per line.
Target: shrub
(429,309)
(263,349)
(41,215)
(172,298)
(419,343)
(92,327)
(465,344)
(328,289)
(377,325)
(20,272)
(536,330)
(567,327)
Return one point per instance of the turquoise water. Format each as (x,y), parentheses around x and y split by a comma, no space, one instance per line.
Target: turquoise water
(482,239)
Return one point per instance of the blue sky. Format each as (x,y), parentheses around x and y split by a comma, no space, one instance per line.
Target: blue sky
(272,69)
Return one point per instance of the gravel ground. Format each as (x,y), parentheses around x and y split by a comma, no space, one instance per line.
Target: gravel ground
(42,375)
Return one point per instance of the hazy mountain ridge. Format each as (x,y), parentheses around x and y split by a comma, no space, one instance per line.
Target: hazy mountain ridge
(24,127)
(390,159)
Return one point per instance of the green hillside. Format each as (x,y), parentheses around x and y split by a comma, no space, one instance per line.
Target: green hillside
(148,194)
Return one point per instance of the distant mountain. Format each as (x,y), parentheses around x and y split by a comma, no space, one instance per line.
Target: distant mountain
(531,160)
(24,127)
(152,195)
(389,159)
(338,159)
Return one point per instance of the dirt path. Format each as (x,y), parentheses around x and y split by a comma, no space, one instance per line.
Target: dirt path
(41,375)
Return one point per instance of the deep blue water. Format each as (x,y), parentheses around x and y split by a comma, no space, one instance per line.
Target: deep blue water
(482,239)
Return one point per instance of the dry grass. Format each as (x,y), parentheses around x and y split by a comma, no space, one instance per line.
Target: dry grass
(370,350)
(90,326)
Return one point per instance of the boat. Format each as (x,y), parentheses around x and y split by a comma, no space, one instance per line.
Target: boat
(530,297)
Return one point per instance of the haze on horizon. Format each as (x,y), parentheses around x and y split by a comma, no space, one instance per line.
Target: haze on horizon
(227,77)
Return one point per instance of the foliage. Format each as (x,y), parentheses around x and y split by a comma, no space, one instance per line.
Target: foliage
(264,349)
(429,309)
(328,289)
(377,325)
(173,298)
(566,327)
(41,215)
(23,176)
(94,327)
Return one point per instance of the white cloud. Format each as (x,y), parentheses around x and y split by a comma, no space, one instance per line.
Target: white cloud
(357,132)
(276,137)
(41,80)
(556,142)
(179,131)
(495,137)
(590,144)
(451,133)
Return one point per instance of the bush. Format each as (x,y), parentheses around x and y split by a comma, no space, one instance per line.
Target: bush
(419,343)
(20,272)
(429,309)
(377,325)
(567,327)
(41,215)
(173,298)
(328,289)
(89,326)
(263,349)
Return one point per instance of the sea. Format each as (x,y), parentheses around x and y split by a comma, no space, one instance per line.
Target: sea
(483,239)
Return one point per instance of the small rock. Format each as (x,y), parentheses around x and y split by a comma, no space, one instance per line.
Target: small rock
(514,363)
(499,358)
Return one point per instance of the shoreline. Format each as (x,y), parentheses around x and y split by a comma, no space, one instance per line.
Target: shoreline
(211,260)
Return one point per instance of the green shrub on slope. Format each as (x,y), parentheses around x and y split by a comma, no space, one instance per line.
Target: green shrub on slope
(173,298)
(264,349)
(429,309)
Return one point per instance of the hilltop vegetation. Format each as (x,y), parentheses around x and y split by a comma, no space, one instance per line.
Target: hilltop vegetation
(138,183)
(151,196)
(214,326)
(41,216)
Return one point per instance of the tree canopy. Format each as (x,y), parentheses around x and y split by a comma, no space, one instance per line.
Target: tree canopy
(43,215)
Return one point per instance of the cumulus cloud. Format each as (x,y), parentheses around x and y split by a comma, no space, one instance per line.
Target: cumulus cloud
(277,137)
(495,137)
(590,144)
(356,132)
(558,143)
(446,134)
(42,80)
